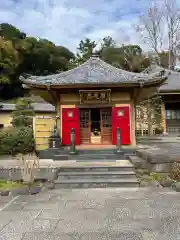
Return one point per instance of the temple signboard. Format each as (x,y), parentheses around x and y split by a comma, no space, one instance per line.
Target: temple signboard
(95,96)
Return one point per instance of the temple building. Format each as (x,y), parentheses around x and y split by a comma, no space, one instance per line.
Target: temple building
(170,96)
(95,99)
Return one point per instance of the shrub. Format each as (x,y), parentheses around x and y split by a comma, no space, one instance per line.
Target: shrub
(157,176)
(175,171)
(153,177)
(16,140)
(23,113)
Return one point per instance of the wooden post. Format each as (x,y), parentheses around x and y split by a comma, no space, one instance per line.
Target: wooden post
(163,114)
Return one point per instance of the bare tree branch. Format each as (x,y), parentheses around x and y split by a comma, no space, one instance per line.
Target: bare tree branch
(159,26)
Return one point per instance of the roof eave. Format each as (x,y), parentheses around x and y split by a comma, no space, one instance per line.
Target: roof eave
(157,81)
(169,91)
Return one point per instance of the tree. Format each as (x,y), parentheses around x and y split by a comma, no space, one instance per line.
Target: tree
(164,59)
(108,42)
(85,50)
(127,57)
(20,54)
(148,113)
(19,138)
(23,113)
(133,58)
(29,170)
(9,32)
(159,23)
(9,60)
(42,57)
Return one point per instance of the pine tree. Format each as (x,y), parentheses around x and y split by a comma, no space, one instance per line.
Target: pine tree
(23,113)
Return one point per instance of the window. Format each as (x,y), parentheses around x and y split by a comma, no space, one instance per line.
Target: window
(178,114)
(173,114)
(168,114)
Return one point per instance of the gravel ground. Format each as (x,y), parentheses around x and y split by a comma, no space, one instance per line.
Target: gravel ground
(132,214)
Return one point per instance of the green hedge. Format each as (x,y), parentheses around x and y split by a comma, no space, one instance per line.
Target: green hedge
(16,140)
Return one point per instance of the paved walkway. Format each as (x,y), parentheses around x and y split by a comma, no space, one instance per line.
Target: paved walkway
(92,214)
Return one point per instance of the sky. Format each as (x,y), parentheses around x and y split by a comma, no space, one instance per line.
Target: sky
(66,22)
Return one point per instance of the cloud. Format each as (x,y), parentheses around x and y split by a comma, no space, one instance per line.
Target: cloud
(66,22)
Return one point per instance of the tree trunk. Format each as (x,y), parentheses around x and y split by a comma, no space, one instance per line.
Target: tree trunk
(150,124)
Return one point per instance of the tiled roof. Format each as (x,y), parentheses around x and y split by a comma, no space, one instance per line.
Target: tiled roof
(38,107)
(94,71)
(173,81)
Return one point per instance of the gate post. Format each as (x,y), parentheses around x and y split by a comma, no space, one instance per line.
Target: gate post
(73,146)
(118,140)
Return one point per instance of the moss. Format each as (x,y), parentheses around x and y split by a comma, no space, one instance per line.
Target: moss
(152,177)
(8,185)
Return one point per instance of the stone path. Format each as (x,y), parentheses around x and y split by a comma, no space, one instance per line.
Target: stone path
(135,214)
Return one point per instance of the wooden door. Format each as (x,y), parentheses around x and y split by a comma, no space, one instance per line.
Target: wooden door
(85,126)
(121,119)
(70,119)
(106,125)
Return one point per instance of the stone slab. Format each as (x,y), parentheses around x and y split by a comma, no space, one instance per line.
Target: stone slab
(159,156)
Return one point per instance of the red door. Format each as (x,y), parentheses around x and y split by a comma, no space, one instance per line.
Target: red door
(70,119)
(121,119)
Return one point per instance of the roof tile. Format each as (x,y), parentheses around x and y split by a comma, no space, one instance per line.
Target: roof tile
(94,71)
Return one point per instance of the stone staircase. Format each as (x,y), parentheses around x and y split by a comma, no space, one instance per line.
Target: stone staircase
(94,168)
(96,175)
(63,154)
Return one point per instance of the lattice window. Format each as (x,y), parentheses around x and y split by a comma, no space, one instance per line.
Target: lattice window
(106,119)
(84,119)
(173,114)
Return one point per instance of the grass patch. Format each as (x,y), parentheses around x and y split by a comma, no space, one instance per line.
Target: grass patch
(8,185)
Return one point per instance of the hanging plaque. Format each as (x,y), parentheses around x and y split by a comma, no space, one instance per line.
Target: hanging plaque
(95,96)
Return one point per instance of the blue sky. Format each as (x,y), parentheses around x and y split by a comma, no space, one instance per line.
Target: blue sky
(66,22)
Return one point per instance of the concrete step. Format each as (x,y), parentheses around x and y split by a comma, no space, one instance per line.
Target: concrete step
(96,175)
(96,183)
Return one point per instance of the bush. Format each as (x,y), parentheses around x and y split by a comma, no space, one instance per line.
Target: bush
(159,130)
(23,113)
(157,176)
(16,140)
(175,171)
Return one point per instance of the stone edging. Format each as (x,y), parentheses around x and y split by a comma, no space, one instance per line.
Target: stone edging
(156,162)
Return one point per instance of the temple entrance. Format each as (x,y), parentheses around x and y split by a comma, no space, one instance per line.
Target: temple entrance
(96,126)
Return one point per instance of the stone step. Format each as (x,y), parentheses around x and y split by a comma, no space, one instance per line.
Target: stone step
(64,154)
(96,183)
(108,156)
(98,160)
(95,168)
(97,175)
(100,151)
